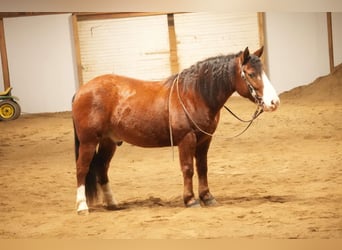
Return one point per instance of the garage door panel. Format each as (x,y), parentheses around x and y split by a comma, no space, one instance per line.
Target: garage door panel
(135,46)
(202,35)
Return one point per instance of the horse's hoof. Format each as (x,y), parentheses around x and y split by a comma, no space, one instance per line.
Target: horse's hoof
(83,212)
(210,202)
(193,204)
(113,207)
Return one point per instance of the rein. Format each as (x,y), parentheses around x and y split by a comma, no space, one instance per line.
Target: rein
(170,126)
(188,113)
(256,114)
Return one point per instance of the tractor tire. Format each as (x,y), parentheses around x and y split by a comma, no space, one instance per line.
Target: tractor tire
(9,110)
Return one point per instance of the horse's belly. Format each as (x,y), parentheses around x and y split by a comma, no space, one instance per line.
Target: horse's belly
(142,131)
(142,138)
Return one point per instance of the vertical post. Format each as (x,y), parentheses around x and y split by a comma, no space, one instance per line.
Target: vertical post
(330,42)
(3,53)
(77,49)
(262,41)
(173,44)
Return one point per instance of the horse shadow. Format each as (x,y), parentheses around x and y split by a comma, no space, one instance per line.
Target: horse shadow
(176,202)
(254,199)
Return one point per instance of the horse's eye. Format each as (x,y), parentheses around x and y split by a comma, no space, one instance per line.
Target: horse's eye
(251,75)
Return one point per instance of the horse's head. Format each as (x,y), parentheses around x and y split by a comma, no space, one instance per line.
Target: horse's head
(253,83)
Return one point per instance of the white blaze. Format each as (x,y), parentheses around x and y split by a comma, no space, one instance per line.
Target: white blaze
(270,97)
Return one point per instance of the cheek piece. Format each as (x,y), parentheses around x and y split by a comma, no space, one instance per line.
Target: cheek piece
(258,100)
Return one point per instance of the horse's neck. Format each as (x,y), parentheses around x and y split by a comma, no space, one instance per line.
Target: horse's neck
(220,89)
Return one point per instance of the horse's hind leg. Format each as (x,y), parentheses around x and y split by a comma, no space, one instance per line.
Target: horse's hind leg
(104,155)
(85,156)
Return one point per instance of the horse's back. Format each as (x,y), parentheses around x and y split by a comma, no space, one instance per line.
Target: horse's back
(123,108)
(104,90)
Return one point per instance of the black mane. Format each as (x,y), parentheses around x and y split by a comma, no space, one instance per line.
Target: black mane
(211,77)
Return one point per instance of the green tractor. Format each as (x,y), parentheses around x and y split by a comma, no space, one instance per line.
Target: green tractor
(9,108)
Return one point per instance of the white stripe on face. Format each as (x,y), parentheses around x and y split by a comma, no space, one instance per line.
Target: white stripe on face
(270,97)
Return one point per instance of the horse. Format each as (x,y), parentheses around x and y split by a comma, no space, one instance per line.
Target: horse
(182,110)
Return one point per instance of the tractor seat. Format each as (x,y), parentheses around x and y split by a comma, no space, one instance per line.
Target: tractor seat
(6,92)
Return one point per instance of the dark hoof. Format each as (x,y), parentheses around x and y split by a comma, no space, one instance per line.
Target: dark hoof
(119,143)
(193,203)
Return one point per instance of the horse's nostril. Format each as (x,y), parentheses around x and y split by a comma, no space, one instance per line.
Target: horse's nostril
(275,102)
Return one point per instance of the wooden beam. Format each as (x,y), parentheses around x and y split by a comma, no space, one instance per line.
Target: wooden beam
(3,53)
(77,49)
(21,14)
(330,43)
(262,40)
(112,15)
(173,44)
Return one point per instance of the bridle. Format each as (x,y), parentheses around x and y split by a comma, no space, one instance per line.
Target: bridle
(258,100)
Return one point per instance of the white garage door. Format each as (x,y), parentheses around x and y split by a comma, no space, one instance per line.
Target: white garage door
(139,46)
(134,46)
(202,35)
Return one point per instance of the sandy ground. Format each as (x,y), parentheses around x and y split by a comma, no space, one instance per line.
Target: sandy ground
(281,179)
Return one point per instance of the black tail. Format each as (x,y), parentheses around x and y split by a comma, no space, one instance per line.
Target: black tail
(77,142)
(91,180)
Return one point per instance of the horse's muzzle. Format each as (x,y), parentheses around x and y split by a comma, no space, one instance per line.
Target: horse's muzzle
(272,106)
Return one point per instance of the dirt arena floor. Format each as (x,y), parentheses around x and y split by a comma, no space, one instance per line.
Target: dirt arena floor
(281,179)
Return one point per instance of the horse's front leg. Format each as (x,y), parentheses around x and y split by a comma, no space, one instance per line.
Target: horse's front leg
(186,154)
(105,153)
(202,170)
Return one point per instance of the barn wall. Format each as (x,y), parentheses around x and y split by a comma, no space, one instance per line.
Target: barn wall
(41,61)
(337,36)
(1,77)
(297,45)
(124,45)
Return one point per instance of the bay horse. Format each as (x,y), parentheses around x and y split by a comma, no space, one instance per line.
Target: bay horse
(183,111)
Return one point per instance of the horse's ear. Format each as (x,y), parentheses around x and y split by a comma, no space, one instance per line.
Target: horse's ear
(259,52)
(246,56)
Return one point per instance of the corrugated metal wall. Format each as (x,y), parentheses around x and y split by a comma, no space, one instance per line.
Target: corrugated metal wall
(136,46)
(139,46)
(202,35)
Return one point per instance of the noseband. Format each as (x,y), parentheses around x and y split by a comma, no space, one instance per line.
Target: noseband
(258,100)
